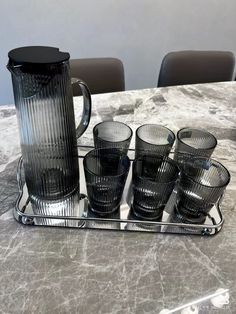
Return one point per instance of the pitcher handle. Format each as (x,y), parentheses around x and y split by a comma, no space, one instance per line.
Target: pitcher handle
(86,107)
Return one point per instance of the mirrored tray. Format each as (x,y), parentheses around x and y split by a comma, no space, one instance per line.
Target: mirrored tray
(215,302)
(123,219)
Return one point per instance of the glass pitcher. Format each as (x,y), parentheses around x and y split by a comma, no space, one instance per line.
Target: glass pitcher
(45,112)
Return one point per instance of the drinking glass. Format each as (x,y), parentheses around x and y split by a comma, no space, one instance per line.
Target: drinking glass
(106,171)
(153,181)
(201,184)
(195,142)
(154,138)
(112,134)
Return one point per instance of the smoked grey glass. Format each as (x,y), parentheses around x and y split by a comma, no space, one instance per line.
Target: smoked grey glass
(154,138)
(202,182)
(112,134)
(195,142)
(181,216)
(153,181)
(106,171)
(45,112)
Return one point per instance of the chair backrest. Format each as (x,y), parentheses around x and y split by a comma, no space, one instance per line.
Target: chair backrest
(102,75)
(192,67)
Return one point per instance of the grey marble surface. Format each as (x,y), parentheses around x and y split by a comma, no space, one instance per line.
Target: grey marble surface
(45,270)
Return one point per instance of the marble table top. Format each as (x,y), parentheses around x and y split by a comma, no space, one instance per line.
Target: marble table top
(56,270)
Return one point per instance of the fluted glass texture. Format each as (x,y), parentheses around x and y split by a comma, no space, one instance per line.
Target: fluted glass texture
(153,138)
(153,181)
(112,134)
(45,111)
(202,182)
(106,171)
(195,141)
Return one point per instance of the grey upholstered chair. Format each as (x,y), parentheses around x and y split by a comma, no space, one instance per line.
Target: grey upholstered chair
(102,75)
(192,67)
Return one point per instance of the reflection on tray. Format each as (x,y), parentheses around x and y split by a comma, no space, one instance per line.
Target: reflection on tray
(98,223)
(142,226)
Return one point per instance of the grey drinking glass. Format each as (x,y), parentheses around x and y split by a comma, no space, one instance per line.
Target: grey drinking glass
(195,142)
(44,105)
(153,181)
(180,216)
(106,171)
(154,138)
(201,184)
(112,134)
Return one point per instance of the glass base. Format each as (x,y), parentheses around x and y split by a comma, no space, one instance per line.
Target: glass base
(68,206)
(181,217)
(143,225)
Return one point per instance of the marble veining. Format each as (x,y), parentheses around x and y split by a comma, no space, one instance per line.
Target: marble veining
(50,270)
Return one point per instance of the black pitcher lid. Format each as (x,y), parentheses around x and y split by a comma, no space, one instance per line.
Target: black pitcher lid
(37,55)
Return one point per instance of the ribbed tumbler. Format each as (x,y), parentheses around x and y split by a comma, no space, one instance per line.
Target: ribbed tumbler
(153,181)
(201,184)
(153,139)
(114,134)
(106,171)
(195,142)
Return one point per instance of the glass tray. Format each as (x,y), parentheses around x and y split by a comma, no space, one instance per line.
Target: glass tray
(122,220)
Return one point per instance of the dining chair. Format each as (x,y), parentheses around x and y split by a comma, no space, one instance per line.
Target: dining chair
(102,75)
(194,66)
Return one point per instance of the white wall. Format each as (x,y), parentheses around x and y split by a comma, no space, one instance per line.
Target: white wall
(139,32)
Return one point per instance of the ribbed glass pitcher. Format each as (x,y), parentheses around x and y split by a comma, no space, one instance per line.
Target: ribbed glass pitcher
(44,103)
